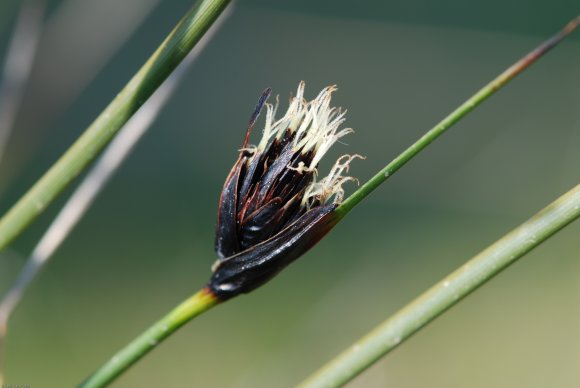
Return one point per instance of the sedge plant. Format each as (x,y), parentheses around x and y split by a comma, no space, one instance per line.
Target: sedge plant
(273,208)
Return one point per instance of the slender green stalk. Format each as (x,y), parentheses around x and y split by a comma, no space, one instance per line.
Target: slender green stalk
(484,93)
(186,311)
(163,61)
(447,292)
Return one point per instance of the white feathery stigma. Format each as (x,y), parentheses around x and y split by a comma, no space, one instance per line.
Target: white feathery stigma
(331,185)
(315,125)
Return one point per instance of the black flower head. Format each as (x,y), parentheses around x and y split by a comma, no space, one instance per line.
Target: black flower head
(272,208)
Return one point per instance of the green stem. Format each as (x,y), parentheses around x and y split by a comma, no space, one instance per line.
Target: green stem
(186,311)
(448,292)
(454,117)
(163,61)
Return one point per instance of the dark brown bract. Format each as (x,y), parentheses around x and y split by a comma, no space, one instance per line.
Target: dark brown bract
(272,208)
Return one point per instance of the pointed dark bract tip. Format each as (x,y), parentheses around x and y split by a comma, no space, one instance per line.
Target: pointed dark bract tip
(263,98)
(253,267)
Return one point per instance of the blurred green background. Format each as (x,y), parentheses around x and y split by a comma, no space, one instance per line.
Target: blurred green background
(147,242)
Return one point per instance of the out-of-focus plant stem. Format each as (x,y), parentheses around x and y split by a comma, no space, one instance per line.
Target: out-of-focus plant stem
(448,292)
(163,61)
(18,66)
(15,75)
(92,184)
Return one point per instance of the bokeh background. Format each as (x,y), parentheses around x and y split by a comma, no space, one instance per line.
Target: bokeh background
(147,242)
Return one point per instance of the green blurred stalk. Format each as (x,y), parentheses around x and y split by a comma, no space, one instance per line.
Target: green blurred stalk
(482,95)
(6,10)
(157,68)
(447,292)
(120,362)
